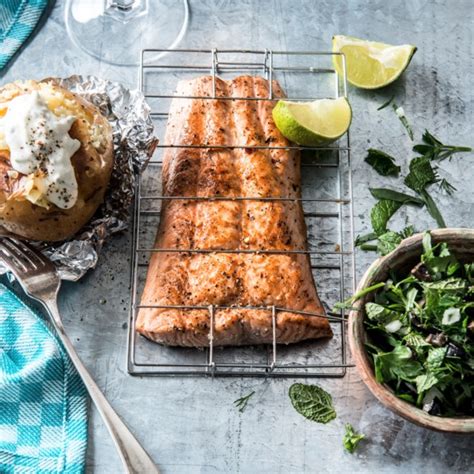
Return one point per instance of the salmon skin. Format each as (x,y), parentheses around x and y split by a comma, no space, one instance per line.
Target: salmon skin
(229,279)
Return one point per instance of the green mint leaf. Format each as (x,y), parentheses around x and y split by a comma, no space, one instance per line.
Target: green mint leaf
(375,311)
(386,318)
(383,163)
(403,119)
(388,242)
(312,402)
(397,364)
(351,439)
(437,259)
(421,174)
(425,381)
(452,284)
(390,194)
(381,214)
(416,342)
(435,358)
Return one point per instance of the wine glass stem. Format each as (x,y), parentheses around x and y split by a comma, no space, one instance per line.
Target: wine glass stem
(124,5)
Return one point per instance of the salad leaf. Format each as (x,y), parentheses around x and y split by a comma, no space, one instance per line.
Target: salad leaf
(435,358)
(425,382)
(377,312)
(397,364)
(312,402)
(419,336)
(383,163)
(351,439)
(438,259)
(416,342)
(381,214)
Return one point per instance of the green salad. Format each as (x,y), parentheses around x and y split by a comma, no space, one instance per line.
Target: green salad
(421,333)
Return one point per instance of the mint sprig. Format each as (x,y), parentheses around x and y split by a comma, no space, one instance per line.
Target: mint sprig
(422,174)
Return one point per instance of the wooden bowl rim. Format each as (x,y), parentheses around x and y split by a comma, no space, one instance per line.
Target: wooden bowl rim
(357,334)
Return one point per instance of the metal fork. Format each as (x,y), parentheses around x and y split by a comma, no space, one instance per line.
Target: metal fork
(39,279)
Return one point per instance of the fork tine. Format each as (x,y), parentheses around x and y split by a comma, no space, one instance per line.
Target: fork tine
(25,255)
(30,252)
(33,253)
(9,256)
(35,272)
(16,250)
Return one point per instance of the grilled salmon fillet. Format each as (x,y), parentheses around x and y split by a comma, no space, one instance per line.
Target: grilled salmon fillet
(229,279)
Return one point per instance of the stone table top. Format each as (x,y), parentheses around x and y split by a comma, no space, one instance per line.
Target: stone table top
(189,425)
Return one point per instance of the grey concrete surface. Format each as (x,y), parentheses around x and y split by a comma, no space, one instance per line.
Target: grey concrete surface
(190,425)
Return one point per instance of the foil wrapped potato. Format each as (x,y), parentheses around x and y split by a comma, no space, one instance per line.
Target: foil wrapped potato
(32,205)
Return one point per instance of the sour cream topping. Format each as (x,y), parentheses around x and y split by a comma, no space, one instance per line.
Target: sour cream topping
(41,147)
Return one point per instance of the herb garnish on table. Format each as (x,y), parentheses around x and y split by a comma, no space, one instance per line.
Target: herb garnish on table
(423,172)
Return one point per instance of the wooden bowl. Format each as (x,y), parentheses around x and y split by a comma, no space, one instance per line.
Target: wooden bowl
(461,243)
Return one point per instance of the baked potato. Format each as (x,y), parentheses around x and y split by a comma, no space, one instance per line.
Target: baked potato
(24,210)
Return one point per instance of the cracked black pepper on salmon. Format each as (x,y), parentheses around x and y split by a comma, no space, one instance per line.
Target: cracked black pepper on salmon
(229,279)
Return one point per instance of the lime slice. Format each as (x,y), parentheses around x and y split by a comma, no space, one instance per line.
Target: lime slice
(313,123)
(371,65)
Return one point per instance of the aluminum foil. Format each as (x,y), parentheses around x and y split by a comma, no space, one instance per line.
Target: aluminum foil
(134,143)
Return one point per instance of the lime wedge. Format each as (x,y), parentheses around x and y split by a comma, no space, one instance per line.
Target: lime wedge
(313,123)
(371,65)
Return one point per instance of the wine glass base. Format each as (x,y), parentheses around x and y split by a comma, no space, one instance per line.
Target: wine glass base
(127,10)
(116,35)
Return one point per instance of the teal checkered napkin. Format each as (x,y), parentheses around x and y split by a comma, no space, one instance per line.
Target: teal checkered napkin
(43,403)
(18,19)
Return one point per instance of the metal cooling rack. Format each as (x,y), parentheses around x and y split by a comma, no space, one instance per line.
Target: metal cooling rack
(326,200)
